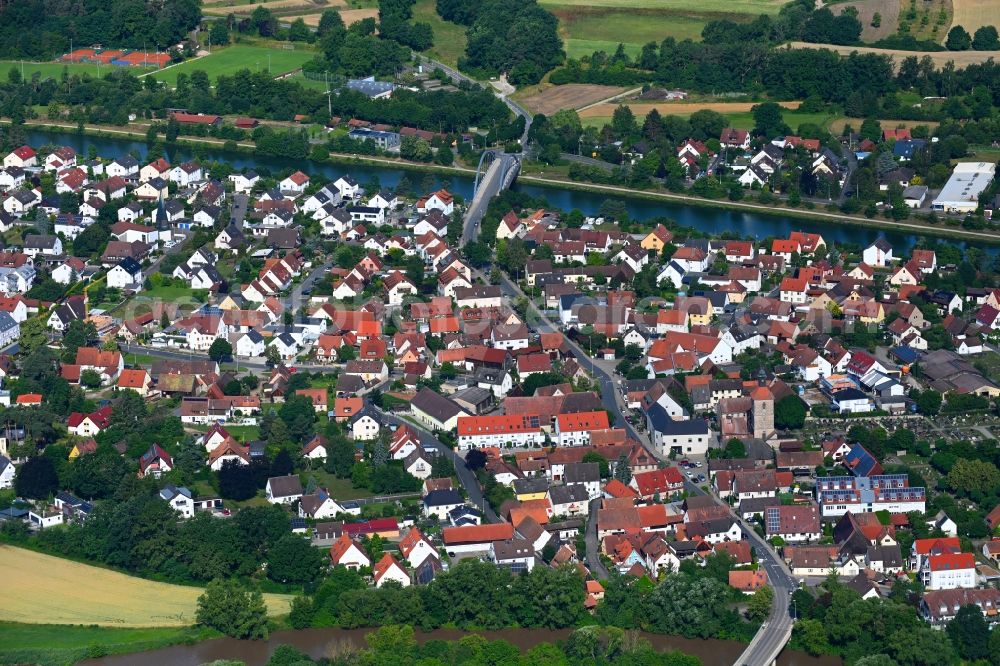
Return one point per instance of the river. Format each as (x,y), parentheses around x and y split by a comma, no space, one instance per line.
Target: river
(330,642)
(711,220)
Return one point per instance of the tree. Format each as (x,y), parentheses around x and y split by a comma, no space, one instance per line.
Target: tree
(228,607)
(812,636)
(98,474)
(291,560)
(735,448)
(37,478)
(768,120)
(237,481)
(623,472)
(790,413)
(759,606)
(958,39)
(969,633)
(298,414)
(475,459)
(986,39)
(219,33)
(33,335)
(929,402)
(220,350)
(692,607)
(973,476)
(272,356)
(600,461)
(90,379)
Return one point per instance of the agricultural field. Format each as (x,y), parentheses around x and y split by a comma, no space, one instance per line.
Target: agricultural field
(287,11)
(550,99)
(924,20)
(587,26)
(737,113)
(55,69)
(972,14)
(42,589)
(240,56)
(960,58)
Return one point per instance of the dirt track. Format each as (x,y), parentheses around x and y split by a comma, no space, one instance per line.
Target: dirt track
(677,108)
(960,58)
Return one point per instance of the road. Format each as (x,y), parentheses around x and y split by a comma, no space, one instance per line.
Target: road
(594,562)
(465,476)
(238,210)
(773,635)
(296,298)
(489,187)
(610,396)
(516,108)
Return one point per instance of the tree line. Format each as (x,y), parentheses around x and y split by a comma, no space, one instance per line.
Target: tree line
(42,29)
(110,100)
(519,38)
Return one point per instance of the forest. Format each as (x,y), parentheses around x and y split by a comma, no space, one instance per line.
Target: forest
(519,38)
(43,29)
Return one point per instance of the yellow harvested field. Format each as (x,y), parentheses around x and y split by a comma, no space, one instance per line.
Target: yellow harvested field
(349,15)
(960,58)
(569,96)
(677,108)
(837,126)
(41,589)
(972,14)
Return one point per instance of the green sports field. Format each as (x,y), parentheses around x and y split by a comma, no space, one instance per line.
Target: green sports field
(234,58)
(56,69)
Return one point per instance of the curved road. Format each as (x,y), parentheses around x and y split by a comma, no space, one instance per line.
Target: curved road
(465,476)
(775,632)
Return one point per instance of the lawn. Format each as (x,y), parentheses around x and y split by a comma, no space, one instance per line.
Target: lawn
(340,489)
(240,56)
(57,645)
(42,589)
(449,38)
(587,30)
(168,292)
(244,433)
(56,69)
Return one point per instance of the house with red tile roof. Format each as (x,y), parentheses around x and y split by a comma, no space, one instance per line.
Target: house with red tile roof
(388,569)
(574,429)
(346,552)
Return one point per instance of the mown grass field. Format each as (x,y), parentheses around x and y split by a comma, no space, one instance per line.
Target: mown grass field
(55,69)
(240,56)
(42,589)
(57,645)
(449,38)
(587,26)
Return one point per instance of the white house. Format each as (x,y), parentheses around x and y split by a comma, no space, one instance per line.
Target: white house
(294,184)
(389,570)
(127,274)
(346,552)
(249,345)
(180,500)
(283,489)
(878,254)
(244,182)
(186,173)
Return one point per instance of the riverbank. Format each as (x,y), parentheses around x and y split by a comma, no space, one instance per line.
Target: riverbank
(917,227)
(326,642)
(685,209)
(60,644)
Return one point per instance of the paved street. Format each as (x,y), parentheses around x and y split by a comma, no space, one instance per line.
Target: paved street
(594,562)
(465,476)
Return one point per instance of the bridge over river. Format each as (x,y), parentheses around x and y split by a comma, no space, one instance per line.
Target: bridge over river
(496,172)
